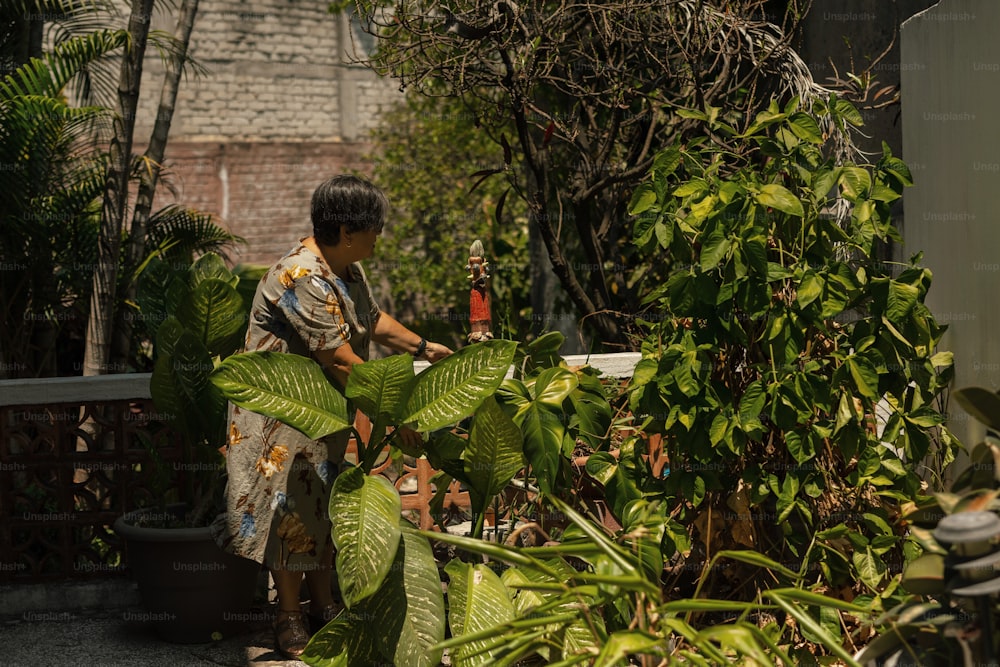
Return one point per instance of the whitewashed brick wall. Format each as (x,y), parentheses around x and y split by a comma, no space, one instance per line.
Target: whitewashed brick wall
(277,71)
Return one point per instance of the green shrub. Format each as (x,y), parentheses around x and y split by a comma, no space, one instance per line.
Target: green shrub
(792,373)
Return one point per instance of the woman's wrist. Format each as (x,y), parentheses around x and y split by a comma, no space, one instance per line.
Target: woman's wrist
(421,349)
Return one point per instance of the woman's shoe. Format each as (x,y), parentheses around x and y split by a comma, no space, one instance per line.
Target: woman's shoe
(291,634)
(320,617)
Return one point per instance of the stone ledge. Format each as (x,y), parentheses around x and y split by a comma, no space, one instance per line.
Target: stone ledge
(50,600)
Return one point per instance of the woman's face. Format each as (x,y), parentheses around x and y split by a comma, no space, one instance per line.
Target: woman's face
(362,243)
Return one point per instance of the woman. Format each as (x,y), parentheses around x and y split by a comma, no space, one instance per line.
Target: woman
(315,302)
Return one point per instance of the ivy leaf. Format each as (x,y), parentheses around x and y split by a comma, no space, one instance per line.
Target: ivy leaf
(645,225)
(719,429)
(855,182)
(847,111)
(810,289)
(823,182)
(643,199)
(694,187)
(666,162)
(694,488)
(864,375)
(686,374)
(799,446)
(805,127)
(713,250)
(756,255)
(869,567)
(664,232)
(780,198)
(902,299)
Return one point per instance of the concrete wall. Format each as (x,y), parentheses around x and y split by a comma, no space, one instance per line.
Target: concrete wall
(951,139)
(281,109)
(841,36)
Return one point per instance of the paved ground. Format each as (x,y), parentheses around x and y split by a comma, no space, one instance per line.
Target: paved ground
(120,638)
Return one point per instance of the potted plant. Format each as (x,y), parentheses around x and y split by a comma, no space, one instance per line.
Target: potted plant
(385,568)
(191,589)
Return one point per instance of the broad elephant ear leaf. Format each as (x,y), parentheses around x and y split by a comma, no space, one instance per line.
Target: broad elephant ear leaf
(409,605)
(494,453)
(214,312)
(346,640)
(477,600)
(364,510)
(180,387)
(553,385)
(454,387)
(287,387)
(380,387)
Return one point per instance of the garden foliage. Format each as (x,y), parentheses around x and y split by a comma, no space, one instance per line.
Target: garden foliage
(793,374)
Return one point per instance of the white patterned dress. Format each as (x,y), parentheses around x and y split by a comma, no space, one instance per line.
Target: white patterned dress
(279,480)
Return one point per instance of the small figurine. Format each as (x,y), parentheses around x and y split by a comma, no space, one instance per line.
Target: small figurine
(480,318)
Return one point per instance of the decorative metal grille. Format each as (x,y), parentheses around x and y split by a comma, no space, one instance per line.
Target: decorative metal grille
(67,471)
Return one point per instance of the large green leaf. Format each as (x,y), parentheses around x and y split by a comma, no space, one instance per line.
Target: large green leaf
(780,198)
(553,385)
(619,487)
(214,312)
(902,299)
(870,568)
(349,640)
(864,374)
(537,593)
(741,638)
(591,415)
(713,250)
(180,386)
(543,430)
(981,403)
(629,642)
(477,600)
(288,387)
(409,606)
(493,455)
(453,388)
(364,510)
(167,334)
(211,266)
(379,388)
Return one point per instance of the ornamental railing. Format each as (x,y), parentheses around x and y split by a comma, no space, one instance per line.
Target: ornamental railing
(76,453)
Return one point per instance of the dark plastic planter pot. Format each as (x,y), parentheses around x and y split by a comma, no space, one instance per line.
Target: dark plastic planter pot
(192,590)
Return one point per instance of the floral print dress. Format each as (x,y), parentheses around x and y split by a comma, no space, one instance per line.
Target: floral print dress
(279,480)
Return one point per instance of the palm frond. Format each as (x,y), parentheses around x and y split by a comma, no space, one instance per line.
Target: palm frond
(50,74)
(187,233)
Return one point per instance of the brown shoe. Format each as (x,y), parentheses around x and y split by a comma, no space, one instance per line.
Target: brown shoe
(319,617)
(291,634)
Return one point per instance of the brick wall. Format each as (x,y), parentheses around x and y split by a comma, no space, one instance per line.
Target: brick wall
(279,110)
(259,190)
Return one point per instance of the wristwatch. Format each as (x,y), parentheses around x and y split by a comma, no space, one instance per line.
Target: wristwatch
(421,348)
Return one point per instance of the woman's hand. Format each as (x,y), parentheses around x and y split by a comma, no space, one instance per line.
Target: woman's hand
(410,441)
(435,352)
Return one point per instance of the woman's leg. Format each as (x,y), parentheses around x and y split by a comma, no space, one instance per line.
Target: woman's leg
(320,582)
(287,584)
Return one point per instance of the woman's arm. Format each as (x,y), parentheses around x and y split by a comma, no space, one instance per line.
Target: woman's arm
(338,362)
(389,332)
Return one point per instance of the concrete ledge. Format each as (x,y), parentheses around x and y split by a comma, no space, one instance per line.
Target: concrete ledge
(42,600)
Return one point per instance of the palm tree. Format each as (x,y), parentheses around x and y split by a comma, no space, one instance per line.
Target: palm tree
(52,173)
(53,167)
